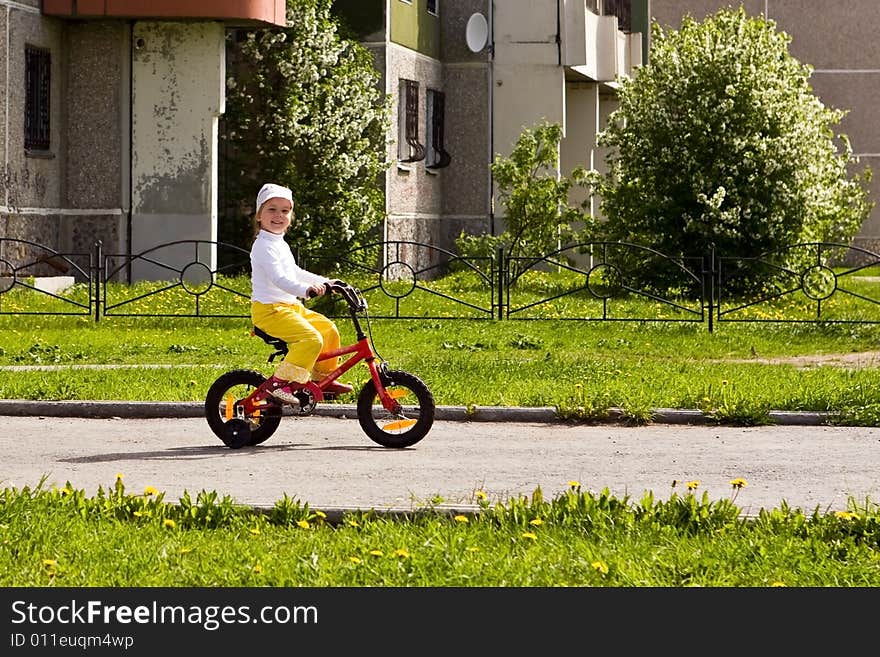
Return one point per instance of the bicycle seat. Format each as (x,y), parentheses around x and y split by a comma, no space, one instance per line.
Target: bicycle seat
(279,344)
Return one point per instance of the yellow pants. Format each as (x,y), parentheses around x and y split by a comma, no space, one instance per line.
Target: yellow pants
(307,334)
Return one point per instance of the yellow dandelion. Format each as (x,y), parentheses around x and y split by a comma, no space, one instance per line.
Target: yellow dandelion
(481,495)
(693,485)
(537,522)
(723,382)
(50,564)
(118,476)
(254,530)
(303,523)
(137,514)
(258,568)
(320,514)
(777,584)
(168,522)
(150,490)
(460,518)
(574,484)
(600,567)
(353,523)
(184,550)
(846,515)
(354,560)
(402,553)
(530,535)
(739,482)
(473,548)
(377,553)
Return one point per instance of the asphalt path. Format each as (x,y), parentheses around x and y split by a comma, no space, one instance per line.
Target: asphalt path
(332,465)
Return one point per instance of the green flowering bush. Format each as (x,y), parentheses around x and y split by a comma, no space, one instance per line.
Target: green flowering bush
(720,141)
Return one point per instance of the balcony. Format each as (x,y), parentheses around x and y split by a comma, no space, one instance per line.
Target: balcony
(596,46)
(243,12)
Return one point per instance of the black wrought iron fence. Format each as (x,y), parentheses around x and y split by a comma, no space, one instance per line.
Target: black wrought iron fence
(591,281)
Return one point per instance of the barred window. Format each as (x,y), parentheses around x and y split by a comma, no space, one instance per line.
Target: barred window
(435,110)
(37,76)
(432,6)
(409,149)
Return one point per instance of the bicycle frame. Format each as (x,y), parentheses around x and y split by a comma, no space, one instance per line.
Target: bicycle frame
(360,350)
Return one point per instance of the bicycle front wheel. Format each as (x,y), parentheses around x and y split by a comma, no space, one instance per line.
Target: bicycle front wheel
(410,423)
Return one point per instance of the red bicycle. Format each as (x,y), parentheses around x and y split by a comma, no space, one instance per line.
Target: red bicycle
(394,408)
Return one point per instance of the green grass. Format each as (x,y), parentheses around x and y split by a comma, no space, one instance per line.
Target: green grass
(737,374)
(60,537)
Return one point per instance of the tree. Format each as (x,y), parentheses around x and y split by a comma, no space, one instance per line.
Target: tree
(304,109)
(538,215)
(720,141)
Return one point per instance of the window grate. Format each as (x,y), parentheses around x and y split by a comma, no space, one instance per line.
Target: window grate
(411,150)
(431,6)
(437,156)
(38,67)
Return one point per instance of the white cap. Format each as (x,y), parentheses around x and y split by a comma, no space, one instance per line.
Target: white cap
(271,190)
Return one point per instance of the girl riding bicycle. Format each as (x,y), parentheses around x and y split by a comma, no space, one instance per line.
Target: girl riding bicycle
(278,286)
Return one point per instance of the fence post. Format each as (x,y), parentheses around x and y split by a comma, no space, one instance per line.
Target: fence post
(501,280)
(97,274)
(709,275)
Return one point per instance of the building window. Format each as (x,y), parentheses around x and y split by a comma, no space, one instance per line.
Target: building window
(409,149)
(432,6)
(435,114)
(37,69)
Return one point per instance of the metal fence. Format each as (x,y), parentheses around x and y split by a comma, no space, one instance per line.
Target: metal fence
(591,281)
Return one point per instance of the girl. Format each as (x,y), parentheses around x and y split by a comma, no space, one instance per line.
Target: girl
(277,286)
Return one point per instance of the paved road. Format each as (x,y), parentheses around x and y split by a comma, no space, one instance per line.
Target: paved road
(331,464)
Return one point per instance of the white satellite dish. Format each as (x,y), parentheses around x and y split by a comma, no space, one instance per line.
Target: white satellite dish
(477,32)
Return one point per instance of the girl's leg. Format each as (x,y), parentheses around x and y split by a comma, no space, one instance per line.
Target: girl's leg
(330,338)
(289,322)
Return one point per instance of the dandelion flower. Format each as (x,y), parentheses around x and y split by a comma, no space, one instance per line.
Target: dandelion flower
(530,535)
(353,523)
(777,583)
(118,476)
(402,553)
(258,568)
(846,515)
(537,522)
(377,553)
(320,514)
(600,567)
(460,518)
(168,522)
(738,482)
(254,530)
(150,490)
(574,484)
(354,560)
(692,485)
(481,495)
(303,523)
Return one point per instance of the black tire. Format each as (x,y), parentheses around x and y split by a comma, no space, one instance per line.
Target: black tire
(417,404)
(237,385)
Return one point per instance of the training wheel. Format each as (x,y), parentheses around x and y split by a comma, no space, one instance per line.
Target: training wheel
(236,433)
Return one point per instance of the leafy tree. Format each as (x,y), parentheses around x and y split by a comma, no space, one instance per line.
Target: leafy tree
(538,215)
(720,140)
(304,108)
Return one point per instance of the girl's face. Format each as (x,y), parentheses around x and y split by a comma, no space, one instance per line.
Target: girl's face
(274,216)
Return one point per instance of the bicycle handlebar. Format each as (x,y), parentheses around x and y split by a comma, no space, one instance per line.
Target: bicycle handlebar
(351,294)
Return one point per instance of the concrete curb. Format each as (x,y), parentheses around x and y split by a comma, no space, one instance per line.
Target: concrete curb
(540,414)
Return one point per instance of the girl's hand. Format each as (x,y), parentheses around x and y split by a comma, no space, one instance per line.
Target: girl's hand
(315,291)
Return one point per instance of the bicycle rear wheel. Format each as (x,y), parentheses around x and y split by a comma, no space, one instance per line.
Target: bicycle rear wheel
(405,427)
(222,406)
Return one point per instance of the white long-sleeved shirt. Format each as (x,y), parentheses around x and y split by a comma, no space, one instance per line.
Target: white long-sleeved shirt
(275,276)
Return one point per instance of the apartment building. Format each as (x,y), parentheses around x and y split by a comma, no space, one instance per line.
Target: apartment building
(108,121)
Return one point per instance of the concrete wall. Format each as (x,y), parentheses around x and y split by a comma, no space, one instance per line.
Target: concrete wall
(177,97)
